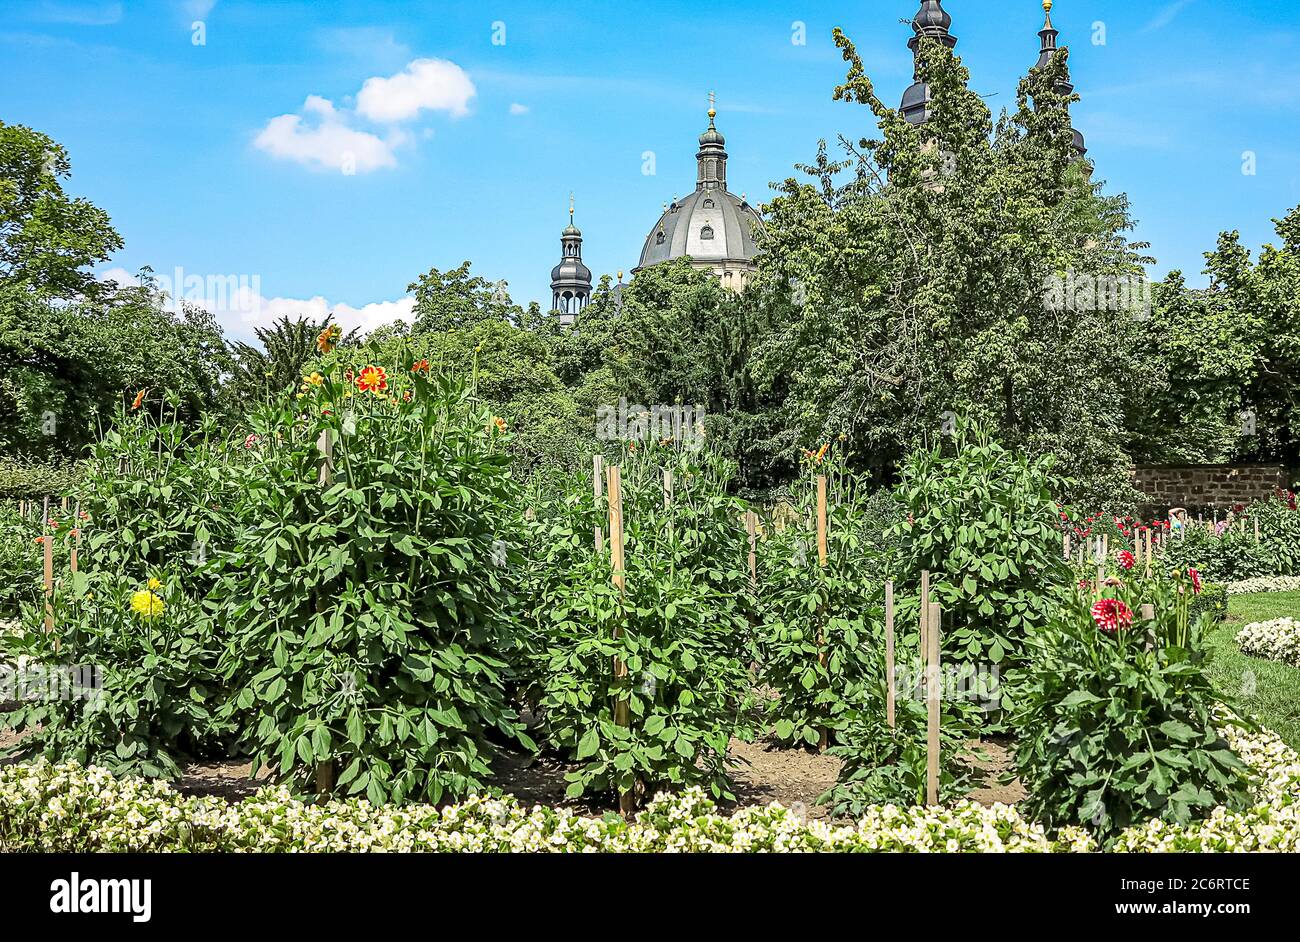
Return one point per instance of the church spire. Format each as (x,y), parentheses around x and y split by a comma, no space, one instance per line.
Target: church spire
(712,156)
(932,21)
(571,279)
(1064,87)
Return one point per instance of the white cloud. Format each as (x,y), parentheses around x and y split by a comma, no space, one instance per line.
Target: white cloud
(424,85)
(320,138)
(518,109)
(367,317)
(239,306)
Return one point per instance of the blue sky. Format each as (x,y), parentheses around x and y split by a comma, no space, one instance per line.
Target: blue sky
(223,158)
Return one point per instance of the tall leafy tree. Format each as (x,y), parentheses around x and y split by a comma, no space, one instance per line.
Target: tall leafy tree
(911,278)
(47,238)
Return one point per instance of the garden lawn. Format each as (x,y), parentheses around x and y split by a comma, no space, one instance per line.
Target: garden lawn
(1275,702)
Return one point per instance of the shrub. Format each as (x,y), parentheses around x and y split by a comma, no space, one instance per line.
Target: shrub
(128,688)
(1117,718)
(150,503)
(1277,640)
(983,521)
(679,628)
(368,620)
(25,479)
(1211,604)
(820,639)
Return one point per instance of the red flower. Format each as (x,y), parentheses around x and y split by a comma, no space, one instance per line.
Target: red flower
(1127,560)
(1111,615)
(1196,581)
(250,441)
(420,366)
(139,399)
(373,379)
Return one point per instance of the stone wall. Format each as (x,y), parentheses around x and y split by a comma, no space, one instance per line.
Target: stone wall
(1204,489)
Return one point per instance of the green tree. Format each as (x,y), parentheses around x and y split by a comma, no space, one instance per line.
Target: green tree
(917,287)
(457,299)
(47,238)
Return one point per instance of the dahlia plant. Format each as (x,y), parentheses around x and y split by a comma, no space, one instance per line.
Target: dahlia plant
(1116,711)
(679,628)
(366,595)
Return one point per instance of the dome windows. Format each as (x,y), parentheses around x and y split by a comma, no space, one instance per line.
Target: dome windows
(706,232)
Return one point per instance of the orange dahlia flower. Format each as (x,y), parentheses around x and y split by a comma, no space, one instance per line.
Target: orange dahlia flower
(373,379)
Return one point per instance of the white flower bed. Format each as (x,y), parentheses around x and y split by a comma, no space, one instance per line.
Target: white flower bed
(69,808)
(1264,584)
(1277,640)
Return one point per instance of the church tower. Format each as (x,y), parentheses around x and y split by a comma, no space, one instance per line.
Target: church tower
(931,22)
(570,280)
(1064,87)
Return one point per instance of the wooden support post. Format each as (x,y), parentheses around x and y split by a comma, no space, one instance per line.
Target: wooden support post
(890,705)
(598,490)
(47,543)
(925,619)
(668,488)
(934,690)
(1067,547)
(823,557)
(751,530)
(1257,539)
(622,708)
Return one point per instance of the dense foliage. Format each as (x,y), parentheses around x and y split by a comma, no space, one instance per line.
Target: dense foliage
(1118,721)
(983,522)
(365,606)
(645,685)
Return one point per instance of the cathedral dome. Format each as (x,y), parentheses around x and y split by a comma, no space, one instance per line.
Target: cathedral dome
(709,226)
(713,226)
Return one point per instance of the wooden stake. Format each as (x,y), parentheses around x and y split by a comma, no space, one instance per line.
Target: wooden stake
(1067,547)
(823,554)
(932,694)
(622,709)
(597,487)
(822,549)
(1257,530)
(925,619)
(889,654)
(668,488)
(47,544)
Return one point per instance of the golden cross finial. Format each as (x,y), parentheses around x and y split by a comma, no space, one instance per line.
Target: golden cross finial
(713,106)
(570,206)
(1047,6)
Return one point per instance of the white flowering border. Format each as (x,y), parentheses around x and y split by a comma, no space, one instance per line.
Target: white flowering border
(1264,584)
(1276,640)
(71,808)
